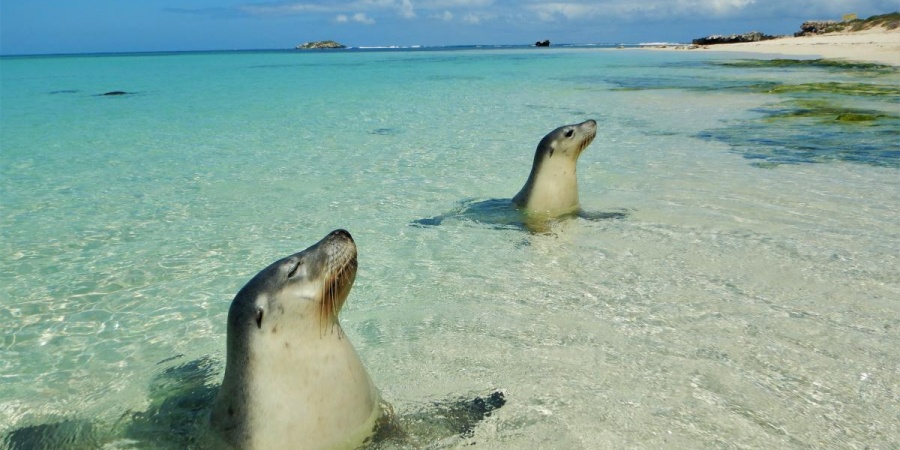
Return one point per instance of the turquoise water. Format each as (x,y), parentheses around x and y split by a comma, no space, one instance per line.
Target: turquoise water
(750,297)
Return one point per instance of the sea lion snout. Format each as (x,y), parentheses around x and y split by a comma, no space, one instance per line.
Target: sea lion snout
(589,131)
(339,250)
(341,233)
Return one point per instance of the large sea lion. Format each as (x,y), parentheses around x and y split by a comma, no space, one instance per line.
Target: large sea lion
(552,186)
(292,378)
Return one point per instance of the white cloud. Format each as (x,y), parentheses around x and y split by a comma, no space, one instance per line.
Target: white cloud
(724,6)
(358,18)
(477,18)
(454,4)
(471,19)
(406,10)
(362,18)
(446,16)
(527,11)
(630,9)
(551,11)
(279,9)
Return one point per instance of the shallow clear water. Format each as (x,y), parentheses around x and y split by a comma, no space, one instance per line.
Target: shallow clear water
(747,299)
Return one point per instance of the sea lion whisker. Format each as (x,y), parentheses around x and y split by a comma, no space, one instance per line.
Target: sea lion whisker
(336,282)
(330,298)
(326,301)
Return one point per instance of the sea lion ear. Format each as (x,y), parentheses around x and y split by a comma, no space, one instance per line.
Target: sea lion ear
(259,316)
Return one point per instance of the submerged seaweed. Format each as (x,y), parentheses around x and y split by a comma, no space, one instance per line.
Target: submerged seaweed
(741,83)
(855,89)
(810,122)
(825,112)
(816,63)
(889,91)
(814,131)
(686,83)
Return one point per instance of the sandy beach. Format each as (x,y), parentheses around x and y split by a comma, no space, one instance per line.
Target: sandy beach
(876,45)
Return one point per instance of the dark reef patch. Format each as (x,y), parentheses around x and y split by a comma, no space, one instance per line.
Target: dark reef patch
(892,92)
(113,93)
(814,63)
(385,132)
(814,131)
(843,111)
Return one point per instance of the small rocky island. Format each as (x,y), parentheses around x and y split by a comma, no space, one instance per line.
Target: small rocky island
(317,45)
(753,36)
(544,43)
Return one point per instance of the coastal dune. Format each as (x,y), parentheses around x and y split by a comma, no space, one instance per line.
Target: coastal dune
(876,45)
(872,40)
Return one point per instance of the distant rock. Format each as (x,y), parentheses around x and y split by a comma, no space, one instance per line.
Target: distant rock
(753,36)
(814,27)
(316,45)
(544,43)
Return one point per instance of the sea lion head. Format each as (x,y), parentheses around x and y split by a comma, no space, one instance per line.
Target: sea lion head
(552,186)
(313,282)
(292,379)
(568,141)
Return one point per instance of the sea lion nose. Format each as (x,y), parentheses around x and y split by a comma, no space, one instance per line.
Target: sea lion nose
(342,233)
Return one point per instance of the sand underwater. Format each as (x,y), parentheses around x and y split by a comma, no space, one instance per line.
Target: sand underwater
(743,292)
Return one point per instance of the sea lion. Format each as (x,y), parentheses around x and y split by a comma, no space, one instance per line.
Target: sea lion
(292,378)
(552,186)
(549,194)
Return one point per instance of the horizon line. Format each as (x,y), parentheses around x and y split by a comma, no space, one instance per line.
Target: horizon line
(359,48)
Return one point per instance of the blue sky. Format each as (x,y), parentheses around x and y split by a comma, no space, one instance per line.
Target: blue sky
(81,26)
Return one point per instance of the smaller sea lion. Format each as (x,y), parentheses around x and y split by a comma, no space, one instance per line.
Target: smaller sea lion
(552,186)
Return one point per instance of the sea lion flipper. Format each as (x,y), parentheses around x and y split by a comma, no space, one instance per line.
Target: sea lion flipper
(446,421)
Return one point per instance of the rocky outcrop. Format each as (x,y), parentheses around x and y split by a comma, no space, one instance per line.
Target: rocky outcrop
(850,24)
(814,27)
(544,43)
(753,36)
(316,45)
